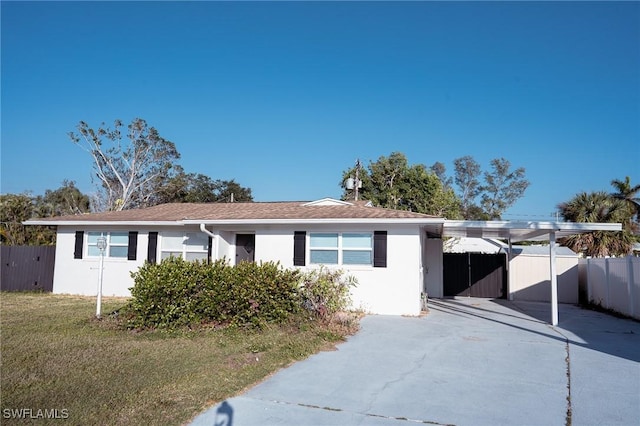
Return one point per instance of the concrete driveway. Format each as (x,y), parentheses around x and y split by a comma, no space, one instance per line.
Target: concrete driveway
(467,362)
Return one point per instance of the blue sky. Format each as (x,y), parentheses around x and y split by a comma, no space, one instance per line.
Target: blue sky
(284,96)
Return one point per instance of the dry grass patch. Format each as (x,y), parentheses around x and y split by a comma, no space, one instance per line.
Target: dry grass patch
(55,355)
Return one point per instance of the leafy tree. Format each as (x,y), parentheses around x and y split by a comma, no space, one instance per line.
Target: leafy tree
(628,194)
(199,188)
(388,187)
(66,200)
(467,172)
(15,209)
(440,170)
(129,168)
(475,212)
(425,193)
(597,207)
(502,187)
(392,183)
(230,190)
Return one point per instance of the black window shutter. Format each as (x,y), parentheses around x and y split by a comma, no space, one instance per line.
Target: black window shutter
(133,245)
(152,248)
(77,253)
(299,247)
(209,249)
(380,249)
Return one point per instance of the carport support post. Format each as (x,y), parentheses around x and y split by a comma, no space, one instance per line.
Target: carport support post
(509,256)
(554,278)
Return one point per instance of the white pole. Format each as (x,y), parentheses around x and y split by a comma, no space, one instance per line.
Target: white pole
(469,274)
(607,277)
(509,257)
(554,278)
(589,276)
(99,307)
(630,286)
(102,245)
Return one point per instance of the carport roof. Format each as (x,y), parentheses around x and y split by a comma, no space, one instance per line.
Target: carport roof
(516,230)
(522,231)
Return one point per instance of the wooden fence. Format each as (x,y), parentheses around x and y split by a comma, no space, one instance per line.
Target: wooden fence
(27,268)
(613,283)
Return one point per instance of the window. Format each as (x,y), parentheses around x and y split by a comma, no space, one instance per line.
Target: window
(117,244)
(189,246)
(324,249)
(341,249)
(356,249)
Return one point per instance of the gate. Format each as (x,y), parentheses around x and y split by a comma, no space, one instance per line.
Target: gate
(475,275)
(27,268)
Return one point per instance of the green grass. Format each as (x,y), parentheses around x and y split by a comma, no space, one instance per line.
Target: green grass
(56,355)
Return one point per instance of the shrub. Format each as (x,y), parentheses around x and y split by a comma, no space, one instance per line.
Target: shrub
(177,293)
(325,292)
(166,294)
(261,292)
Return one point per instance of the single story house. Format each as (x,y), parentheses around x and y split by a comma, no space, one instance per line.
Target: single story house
(396,256)
(383,248)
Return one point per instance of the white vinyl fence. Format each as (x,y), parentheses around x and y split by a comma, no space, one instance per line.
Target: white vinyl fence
(613,283)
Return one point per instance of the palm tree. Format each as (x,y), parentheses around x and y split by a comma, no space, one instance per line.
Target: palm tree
(629,194)
(603,208)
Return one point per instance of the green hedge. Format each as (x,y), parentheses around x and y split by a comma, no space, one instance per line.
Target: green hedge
(176,293)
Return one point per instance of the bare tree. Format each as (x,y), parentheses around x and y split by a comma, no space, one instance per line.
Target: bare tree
(130,169)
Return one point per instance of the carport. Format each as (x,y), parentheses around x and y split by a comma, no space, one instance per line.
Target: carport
(517,231)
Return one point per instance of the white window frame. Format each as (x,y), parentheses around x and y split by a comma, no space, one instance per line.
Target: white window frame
(185,249)
(340,248)
(335,248)
(110,244)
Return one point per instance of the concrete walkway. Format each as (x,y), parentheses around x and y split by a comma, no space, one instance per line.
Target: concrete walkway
(467,362)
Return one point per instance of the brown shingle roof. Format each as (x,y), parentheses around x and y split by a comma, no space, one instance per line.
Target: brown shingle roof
(241,211)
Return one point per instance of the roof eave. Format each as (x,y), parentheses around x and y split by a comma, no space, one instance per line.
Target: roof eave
(103,223)
(413,221)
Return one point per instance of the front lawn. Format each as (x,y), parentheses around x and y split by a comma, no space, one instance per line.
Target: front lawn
(58,360)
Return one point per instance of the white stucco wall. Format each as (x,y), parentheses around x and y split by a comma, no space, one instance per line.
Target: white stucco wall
(433,267)
(275,245)
(396,289)
(393,290)
(225,242)
(80,276)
